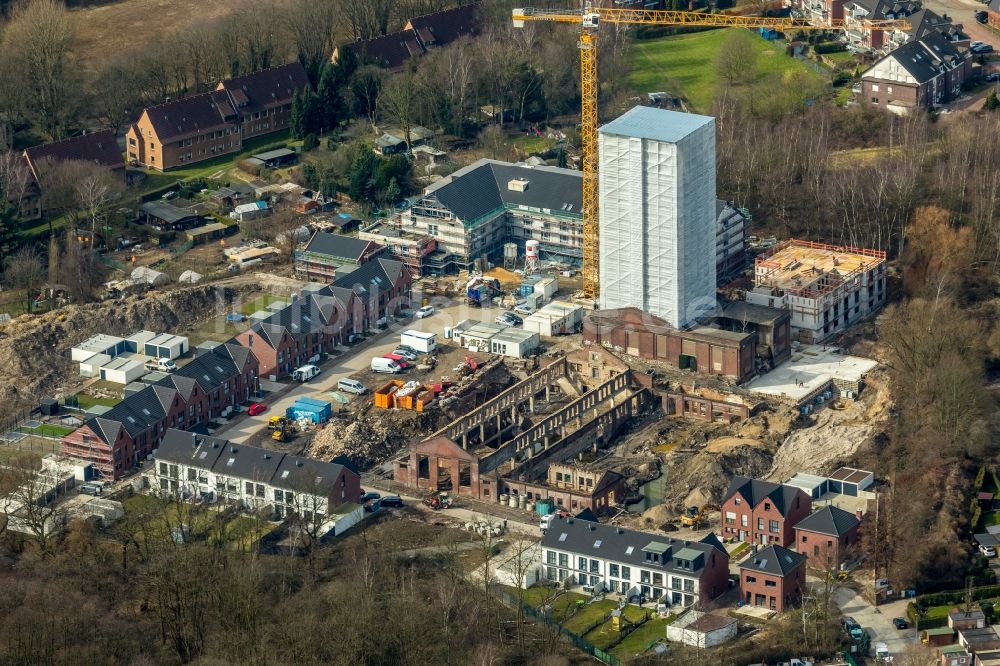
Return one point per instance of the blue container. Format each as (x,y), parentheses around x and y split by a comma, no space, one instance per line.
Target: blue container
(316,411)
(543,508)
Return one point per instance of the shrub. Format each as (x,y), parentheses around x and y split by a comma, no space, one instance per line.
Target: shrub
(829,47)
(310,142)
(980,477)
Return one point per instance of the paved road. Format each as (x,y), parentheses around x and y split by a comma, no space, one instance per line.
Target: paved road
(356,358)
(876,621)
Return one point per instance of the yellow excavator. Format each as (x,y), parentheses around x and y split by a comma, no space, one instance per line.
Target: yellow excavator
(691,516)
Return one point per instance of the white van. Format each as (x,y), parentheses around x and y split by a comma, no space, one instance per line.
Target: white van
(385,365)
(351,386)
(305,373)
(546,521)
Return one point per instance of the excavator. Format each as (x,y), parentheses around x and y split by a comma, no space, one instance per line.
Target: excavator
(438,501)
(691,516)
(283,432)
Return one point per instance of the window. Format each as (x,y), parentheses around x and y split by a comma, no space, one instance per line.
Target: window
(751,579)
(688,585)
(595,566)
(563,560)
(767,506)
(613,570)
(774,526)
(581,563)
(550,557)
(770,583)
(760,524)
(675,583)
(163,468)
(658,579)
(192,474)
(737,501)
(804,538)
(249,488)
(278,496)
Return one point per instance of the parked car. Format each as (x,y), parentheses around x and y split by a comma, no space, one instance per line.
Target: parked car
(91,489)
(405,353)
(385,365)
(425,311)
(365,497)
(882,654)
(513,318)
(400,360)
(899,623)
(993,76)
(373,505)
(981,16)
(392,500)
(524,310)
(852,628)
(981,48)
(351,386)
(503,321)
(257,408)
(408,348)
(987,551)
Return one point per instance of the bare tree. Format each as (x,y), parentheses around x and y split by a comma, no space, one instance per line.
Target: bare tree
(39,41)
(15,177)
(25,270)
(310,25)
(94,196)
(117,94)
(736,61)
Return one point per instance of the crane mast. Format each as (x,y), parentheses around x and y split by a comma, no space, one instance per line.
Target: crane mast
(589,20)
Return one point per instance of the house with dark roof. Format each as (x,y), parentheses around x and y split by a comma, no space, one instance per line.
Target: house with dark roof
(97,148)
(774,578)
(925,21)
(762,513)
(164,216)
(826,537)
(419,35)
(193,466)
(214,123)
(212,385)
(326,253)
(600,557)
(858,15)
(312,324)
(918,75)
(380,287)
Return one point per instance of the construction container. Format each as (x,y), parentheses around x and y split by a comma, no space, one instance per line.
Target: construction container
(528,285)
(413,395)
(534,300)
(543,508)
(384,395)
(317,411)
(547,287)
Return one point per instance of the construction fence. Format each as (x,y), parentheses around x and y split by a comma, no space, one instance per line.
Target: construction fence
(28,430)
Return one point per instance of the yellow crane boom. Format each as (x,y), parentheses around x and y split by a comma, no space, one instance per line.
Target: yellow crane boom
(589,20)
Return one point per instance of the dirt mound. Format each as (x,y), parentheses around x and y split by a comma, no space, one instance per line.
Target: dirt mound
(34,349)
(726,444)
(703,477)
(373,436)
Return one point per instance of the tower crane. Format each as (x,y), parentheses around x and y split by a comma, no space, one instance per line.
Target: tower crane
(588,20)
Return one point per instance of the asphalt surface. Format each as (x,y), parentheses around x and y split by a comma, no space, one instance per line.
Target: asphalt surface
(358,357)
(876,621)
(963,11)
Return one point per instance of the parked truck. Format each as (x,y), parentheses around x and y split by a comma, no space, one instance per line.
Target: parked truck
(161,365)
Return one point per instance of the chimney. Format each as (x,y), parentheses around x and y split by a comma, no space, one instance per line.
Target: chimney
(621,531)
(194,440)
(859,514)
(232,449)
(569,520)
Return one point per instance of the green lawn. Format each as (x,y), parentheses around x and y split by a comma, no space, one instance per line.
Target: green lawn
(86,401)
(989,518)
(588,615)
(48,430)
(637,642)
(261,303)
(739,550)
(604,635)
(533,144)
(686,65)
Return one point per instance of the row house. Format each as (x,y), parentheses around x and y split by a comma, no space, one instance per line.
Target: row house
(773,578)
(205,126)
(193,466)
(762,513)
(621,561)
(918,75)
(213,384)
(24,184)
(381,288)
(858,15)
(419,35)
(827,537)
(326,256)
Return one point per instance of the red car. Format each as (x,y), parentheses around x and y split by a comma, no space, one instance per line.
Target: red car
(400,361)
(257,408)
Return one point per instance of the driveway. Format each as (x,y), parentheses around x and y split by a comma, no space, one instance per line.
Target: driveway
(876,621)
(356,358)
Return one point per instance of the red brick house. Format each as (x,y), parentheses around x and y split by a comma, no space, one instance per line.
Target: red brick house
(993,14)
(382,287)
(773,578)
(827,536)
(313,324)
(918,75)
(118,440)
(760,512)
(205,126)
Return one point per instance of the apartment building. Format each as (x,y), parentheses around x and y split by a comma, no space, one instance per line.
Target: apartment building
(192,466)
(412,249)
(214,123)
(918,75)
(825,288)
(731,241)
(762,513)
(327,254)
(212,384)
(631,563)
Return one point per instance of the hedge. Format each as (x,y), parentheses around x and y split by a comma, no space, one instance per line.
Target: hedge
(956,598)
(829,47)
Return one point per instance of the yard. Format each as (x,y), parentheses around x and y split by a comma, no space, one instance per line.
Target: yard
(261,303)
(685,65)
(85,401)
(639,640)
(47,430)
(605,635)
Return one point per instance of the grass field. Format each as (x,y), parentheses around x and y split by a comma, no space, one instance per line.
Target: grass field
(86,401)
(108,30)
(636,642)
(686,65)
(48,430)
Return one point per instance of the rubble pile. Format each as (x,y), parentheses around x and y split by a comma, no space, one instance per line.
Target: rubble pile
(34,349)
(373,436)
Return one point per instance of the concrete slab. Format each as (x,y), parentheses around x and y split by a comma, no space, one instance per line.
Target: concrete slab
(809,370)
(756,612)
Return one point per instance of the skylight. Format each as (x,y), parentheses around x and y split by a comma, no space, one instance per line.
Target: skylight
(597,544)
(207,378)
(628,551)
(146,412)
(130,419)
(284,474)
(562,537)
(219,368)
(230,462)
(204,454)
